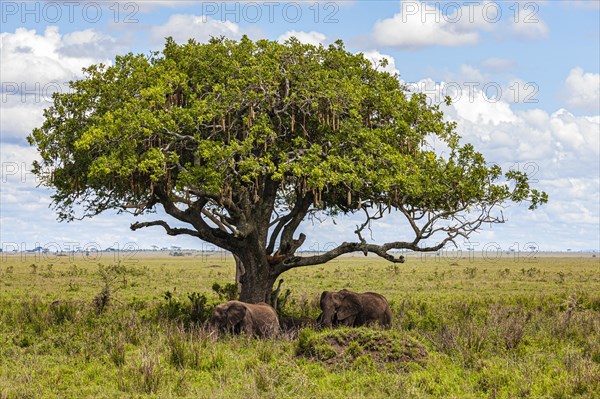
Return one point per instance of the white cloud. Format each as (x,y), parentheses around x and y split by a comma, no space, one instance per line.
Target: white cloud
(375,57)
(30,57)
(514,91)
(26,218)
(19,196)
(88,43)
(20,114)
(569,144)
(474,95)
(17,163)
(583,90)
(34,66)
(312,37)
(532,30)
(525,21)
(183,27)
(576,134)
(475,106)
(469,73)
(560,151)
(420,25)
(573,212)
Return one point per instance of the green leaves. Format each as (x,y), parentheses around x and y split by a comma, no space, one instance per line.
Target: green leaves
(229,116)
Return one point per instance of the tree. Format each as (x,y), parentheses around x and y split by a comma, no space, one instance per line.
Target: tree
(242,141)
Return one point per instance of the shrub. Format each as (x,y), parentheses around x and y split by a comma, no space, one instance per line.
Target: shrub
(63,311)
(199,312)
(172,308)
(228,292)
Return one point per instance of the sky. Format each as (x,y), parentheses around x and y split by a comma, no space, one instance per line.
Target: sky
(523,76)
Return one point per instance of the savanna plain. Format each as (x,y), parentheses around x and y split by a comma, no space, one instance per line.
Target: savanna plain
(134,326)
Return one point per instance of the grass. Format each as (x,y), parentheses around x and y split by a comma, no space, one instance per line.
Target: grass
(463,328)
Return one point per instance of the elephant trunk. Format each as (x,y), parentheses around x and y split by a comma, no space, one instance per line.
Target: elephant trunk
(327,318)
(327,304)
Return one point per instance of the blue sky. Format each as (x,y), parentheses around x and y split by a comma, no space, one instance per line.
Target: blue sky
(537,61)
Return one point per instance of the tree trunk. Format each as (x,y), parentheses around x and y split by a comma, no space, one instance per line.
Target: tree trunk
(239,272)
(257,279)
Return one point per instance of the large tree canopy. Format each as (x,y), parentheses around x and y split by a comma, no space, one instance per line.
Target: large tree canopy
(244,140)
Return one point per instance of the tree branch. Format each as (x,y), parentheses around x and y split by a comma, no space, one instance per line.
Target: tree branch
(378,215)
(290,222)
(298,213)
(463,228)
(220,222)
(345,248)
(214,236)
(172,231)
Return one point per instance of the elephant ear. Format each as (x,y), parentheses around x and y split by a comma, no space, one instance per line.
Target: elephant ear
(350,306)
(236,313)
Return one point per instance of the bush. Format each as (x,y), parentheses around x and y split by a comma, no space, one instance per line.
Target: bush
(173,309)
(228,292)
(62,311)
(199,311)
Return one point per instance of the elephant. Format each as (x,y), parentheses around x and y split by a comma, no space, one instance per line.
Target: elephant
(237,317)
(347,308)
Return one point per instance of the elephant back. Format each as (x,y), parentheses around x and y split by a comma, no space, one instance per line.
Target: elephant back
(375,309)
(264,318)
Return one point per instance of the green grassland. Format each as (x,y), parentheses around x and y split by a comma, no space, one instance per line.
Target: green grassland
(131,327)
